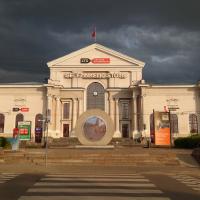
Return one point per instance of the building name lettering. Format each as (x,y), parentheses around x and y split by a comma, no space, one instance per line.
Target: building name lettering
(95,75)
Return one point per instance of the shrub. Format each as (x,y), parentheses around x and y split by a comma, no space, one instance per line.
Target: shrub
(187,142)
(4,142)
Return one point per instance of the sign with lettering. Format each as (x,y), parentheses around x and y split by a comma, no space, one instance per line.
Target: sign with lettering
(95,75)
(85,60)
(24,109)
(101,60)
(95,60)
(16,109)
(24,130)
(162,128)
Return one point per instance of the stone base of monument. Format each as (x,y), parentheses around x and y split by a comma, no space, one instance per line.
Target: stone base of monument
(94,128)
(94,147)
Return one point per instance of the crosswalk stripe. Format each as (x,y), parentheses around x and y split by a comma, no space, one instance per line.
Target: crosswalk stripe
(96,190)
(89,198)
(7,176)
(90,187)
(94,179)
(94,176)
(95,184)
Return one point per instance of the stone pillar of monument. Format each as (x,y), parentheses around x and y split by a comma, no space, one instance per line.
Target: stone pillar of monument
(49,114)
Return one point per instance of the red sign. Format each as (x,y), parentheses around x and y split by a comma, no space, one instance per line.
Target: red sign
(101,60)
(23,131)
(24,109)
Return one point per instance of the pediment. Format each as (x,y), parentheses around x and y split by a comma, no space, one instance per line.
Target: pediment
(95,55)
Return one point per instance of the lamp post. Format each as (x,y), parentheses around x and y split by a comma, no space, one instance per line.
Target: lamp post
(45,137)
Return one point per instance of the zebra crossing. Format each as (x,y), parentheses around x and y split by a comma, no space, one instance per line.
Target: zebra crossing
(4,177)
(188,180)
(98,187)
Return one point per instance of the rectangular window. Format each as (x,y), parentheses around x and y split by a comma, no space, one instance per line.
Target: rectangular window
(125,110)
(66,109)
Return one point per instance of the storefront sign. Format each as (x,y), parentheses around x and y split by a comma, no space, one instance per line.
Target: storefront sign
(162,128)
(95,60)
(24,130)
(97,75)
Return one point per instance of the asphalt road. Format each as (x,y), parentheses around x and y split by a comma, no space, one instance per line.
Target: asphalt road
(99,186)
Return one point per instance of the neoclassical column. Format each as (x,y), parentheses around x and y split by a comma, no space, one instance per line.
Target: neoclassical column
(134,116)
(111,108)
(80,106)
(74,116)
(117,132)
(58,116)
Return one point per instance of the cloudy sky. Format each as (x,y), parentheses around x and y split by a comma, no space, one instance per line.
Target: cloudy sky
(165,34)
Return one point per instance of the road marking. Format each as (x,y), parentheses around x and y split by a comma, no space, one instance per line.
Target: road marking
(90,187)
(88,190)
(96,184)
(188,180)
(95,179)
(89,198)
(4,177)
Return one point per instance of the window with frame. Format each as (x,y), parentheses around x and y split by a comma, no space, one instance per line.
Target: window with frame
(2,123)
(66,110)
(95,96)
(125,110)
(19,118)
(193,123)
(174,123)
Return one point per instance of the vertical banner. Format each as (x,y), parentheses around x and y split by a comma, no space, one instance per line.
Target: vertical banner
(24,130)
(162,128)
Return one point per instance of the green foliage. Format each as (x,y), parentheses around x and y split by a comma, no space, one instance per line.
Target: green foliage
(4,143)
(187,142)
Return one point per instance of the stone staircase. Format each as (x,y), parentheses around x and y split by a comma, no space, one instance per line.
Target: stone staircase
(118,156)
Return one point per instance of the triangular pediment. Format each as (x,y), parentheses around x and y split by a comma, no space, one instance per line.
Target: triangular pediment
(95,55)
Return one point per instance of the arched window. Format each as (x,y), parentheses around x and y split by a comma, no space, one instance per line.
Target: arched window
(193,123)
(95,96)
(38,121)
(2,122)
(19,118)
(174,123)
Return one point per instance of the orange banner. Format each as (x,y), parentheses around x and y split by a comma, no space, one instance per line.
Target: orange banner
(162,128)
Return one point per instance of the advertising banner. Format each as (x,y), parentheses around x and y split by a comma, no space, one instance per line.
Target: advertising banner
(162,128)
(24,130)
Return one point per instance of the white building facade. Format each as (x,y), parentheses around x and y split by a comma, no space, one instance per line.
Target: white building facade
(101,78)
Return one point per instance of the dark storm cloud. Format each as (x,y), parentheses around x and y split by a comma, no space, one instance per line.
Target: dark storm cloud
(164,34)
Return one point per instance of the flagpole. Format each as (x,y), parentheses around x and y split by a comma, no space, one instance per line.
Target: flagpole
(95,39)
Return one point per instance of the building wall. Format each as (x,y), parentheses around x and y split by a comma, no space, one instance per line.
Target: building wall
(23,96)
(184,98)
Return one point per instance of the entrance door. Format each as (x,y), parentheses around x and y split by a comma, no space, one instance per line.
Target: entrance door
(65,130)
(125,130)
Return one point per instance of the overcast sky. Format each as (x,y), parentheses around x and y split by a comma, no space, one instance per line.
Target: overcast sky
(165,34)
